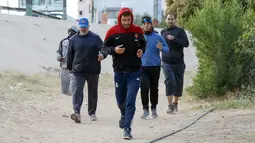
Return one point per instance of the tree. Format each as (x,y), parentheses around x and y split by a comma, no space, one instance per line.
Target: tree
(183,9)
(222,37)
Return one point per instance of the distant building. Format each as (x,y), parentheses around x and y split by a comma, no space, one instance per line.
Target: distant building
(109,15)
(44,5)
(85,8)
(105,11)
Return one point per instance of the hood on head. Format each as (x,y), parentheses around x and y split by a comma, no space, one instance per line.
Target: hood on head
(123,10)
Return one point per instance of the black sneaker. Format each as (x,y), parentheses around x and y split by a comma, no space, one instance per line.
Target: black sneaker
(170,109)
(175,105)
(121,122)
(76,118)
(127,134)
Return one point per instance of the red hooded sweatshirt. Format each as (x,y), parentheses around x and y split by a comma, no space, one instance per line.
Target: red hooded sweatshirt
(132,40)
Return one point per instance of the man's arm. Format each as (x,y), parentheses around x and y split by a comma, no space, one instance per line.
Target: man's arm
(165,48)
(100,47)
(143,43)
(182,39)
(70,55)
(108,46)
(162,32)
(59,51)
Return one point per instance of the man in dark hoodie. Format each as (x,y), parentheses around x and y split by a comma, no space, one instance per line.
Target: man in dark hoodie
(173,64)
(65,75)
(84,60)
(126,43)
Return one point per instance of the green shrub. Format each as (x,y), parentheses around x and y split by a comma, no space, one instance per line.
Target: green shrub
(247,52)
(216,31)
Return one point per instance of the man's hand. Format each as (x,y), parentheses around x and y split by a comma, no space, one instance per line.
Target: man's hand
(61,59)
(170,37)
(100,57)
(119,50)
(139,53)
(159,45)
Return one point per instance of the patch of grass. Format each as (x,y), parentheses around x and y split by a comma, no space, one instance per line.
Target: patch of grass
(230,101)
(12,81)
(235,104)
(18,82)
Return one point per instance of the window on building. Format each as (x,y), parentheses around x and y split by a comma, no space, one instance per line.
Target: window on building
(80,12)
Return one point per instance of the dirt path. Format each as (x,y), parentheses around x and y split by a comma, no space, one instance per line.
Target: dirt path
(33,111)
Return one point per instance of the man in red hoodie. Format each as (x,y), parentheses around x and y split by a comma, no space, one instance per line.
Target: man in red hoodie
(126,43)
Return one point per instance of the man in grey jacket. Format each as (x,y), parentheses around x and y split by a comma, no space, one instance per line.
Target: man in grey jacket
(65,75)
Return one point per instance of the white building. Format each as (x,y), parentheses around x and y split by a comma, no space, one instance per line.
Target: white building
(85,9)
(94,9)
(44,5)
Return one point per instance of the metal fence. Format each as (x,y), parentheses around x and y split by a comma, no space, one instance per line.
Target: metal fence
(33,11)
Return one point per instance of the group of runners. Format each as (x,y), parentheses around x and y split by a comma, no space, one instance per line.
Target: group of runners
(139,53)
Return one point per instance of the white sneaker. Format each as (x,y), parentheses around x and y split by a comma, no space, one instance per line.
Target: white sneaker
(93,117)
(154,113)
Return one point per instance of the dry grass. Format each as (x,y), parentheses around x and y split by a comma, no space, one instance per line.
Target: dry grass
(20,85)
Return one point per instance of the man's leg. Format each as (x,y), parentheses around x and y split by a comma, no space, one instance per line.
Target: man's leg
(78,86)
(179,70)
(65,81)
(154,79)
(170,85)
(133,82)
(145,86)
(92,81)
(120,93)
(71,83)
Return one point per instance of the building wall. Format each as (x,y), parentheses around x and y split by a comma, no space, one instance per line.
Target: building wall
(85,9)
(44,5)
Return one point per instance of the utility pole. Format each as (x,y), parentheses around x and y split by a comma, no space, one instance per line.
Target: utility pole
(8,5)
(64,10)
(92,9)
(29,8)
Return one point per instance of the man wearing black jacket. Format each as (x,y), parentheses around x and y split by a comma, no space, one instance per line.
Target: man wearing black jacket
(173,64)
(126,43)
(84,60)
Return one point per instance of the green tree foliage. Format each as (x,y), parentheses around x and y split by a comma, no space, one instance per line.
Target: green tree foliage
(221,34)
(184,9)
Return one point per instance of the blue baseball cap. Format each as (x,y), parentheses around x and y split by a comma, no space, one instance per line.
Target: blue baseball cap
(83,23)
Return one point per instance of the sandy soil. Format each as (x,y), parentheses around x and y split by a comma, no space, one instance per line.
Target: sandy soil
(32,110)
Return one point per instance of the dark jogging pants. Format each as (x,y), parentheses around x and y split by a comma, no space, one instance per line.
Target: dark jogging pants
(149,86)
(78,83)
(126,88)
(174,77)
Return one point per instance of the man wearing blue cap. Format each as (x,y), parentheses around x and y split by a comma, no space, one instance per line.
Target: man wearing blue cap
(151,63)
(84,61)
(65,75)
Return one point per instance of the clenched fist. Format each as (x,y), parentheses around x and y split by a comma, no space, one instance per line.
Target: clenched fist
(170,37)
(159,45)
(100,57)
(120,49)
(139,53)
